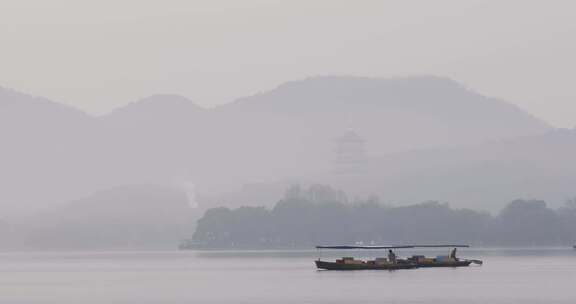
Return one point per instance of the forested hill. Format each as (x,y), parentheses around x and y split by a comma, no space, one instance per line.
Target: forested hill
(320,215)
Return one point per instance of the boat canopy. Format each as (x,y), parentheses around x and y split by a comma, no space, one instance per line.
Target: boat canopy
(442,246)
(362,247)
(391,247)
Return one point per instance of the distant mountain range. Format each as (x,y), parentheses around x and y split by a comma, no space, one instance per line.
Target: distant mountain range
(52,153)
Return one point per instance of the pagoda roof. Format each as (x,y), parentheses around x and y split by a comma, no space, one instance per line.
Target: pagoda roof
(349,136)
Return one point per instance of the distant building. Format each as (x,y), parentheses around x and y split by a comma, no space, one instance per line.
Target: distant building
(350,153)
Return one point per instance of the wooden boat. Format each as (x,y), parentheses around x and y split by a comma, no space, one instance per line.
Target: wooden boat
(363,266)
(417,261)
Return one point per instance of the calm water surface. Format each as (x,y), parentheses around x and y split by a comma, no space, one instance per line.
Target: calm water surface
(508,276)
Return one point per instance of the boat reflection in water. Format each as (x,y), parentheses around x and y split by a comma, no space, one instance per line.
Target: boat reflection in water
(393,263)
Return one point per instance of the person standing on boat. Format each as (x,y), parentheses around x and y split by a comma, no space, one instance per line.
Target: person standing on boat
(391,256)
(452,255)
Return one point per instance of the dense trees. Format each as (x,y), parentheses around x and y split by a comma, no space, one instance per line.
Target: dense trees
(524,222)
(321,215)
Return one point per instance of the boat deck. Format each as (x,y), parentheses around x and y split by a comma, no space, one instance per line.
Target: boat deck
(402,265)
(364,266)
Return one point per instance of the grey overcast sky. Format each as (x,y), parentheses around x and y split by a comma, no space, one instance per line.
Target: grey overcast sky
(98,55)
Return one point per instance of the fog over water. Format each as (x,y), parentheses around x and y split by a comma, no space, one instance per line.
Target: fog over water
(508,276)
(141,176)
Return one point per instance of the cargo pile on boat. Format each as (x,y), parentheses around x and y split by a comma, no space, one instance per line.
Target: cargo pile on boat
(420,259)
(380,261)
(350,261)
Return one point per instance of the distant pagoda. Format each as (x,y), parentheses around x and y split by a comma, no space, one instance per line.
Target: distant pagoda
(350,153)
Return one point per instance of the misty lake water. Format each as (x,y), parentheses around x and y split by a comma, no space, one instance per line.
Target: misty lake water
(508,276)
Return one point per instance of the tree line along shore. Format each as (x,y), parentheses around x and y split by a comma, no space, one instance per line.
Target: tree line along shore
(322,215)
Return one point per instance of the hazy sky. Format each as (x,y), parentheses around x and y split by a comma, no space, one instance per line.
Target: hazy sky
(97,55)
